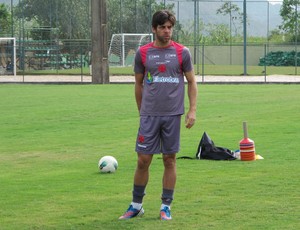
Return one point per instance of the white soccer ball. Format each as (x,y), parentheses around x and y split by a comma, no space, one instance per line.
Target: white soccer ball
(108,164)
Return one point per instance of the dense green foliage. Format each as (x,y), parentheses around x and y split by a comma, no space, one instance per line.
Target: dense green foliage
(280,58)
(5,21)
(289,13)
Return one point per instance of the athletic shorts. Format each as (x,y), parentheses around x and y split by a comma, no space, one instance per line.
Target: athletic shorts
(158,135)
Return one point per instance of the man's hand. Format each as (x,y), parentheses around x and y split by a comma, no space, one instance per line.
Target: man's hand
(190,119)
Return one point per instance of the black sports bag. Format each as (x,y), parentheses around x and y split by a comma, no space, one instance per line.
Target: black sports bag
(207,150)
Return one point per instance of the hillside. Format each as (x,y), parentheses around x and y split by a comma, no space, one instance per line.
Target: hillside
(257,13)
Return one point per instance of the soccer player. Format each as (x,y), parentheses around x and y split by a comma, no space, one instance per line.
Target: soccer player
(160,67)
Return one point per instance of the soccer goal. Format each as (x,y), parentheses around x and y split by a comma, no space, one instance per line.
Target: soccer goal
(123,47)
(8,56)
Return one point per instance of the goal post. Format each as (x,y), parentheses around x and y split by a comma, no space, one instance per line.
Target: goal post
(123,47)
(8,56)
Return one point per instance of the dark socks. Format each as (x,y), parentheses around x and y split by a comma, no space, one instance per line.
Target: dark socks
(138,193)
(167,196)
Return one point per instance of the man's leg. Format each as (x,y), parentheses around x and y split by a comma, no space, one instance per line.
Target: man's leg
(141,175)
(141,178)
(169,181)
(169,177)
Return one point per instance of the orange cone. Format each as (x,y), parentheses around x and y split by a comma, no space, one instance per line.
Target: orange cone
(247,147)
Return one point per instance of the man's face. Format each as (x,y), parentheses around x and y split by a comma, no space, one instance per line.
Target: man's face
(163,33)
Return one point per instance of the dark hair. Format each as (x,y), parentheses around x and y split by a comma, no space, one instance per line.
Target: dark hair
(161,17)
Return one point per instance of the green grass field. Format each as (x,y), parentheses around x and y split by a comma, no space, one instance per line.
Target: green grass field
(52,136)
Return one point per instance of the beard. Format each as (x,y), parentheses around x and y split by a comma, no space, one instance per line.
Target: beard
(162,39)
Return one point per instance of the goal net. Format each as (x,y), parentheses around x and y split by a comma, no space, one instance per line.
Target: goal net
(8,56)
(123,47)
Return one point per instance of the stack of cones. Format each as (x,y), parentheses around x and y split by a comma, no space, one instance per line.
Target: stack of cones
(247,148)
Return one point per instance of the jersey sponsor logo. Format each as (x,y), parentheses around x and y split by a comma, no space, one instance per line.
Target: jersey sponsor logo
(158,79)
(149,79)
(152,57)
(161,79)
(162,62)
(170,56)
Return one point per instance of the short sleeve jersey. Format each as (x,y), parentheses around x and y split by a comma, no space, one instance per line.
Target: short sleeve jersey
(163,68)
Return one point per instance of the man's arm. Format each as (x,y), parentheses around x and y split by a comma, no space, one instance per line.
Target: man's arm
(138,89)
(192,94)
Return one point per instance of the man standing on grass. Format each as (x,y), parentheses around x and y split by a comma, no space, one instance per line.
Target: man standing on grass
(160,67)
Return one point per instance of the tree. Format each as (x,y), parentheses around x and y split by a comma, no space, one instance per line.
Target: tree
(68,19)
(100,70)
(127,16)
(186,32)
(290,17)
(5,20)
(217,34)
(276,35)
(234,12)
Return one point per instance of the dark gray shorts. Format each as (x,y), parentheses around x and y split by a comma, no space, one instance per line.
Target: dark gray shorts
(158,135)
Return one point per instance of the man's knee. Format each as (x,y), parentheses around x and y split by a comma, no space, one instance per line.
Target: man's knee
(169,160)
(144,161)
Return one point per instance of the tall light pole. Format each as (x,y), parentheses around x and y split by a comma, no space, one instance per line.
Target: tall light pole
(100,72)
(296,38)
(245,36)
(196,30)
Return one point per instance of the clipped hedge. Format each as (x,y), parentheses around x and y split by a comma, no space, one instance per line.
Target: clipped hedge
(280,58)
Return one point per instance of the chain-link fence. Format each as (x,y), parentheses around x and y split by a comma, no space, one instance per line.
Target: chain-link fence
(225,37)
